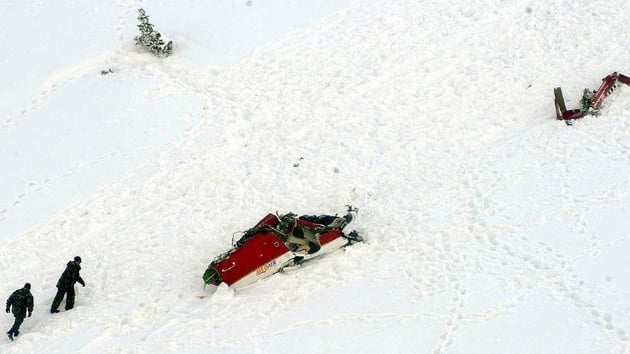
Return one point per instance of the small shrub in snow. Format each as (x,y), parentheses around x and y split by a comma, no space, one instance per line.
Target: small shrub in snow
(150,38)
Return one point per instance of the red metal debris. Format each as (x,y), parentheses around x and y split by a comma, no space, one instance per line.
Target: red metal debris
(591,100)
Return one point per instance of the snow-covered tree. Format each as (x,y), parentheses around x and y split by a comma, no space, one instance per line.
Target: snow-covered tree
(150,38)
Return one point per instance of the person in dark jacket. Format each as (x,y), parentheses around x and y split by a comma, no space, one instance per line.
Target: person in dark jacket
(65,285)
(20,302)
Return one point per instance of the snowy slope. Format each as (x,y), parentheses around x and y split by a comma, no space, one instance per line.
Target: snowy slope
(490,226)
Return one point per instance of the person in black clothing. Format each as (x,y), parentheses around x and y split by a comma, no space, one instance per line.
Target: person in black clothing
(19,303)
(65,285)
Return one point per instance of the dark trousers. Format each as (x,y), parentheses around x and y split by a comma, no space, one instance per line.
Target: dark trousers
(16,325)
(69,292)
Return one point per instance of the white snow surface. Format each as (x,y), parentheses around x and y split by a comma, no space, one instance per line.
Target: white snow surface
(490,226)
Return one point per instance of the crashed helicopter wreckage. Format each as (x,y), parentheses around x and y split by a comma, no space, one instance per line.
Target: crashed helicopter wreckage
(277,242)
(591,100)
